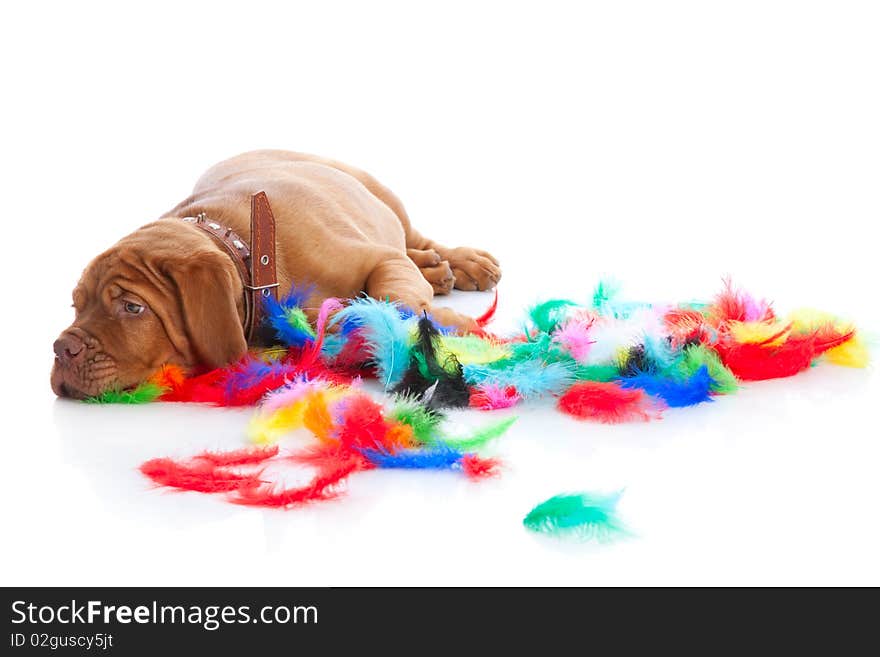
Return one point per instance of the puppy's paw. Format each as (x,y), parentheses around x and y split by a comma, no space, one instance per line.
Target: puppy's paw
(440,277)
(473,269)
(435,270)
(424,257)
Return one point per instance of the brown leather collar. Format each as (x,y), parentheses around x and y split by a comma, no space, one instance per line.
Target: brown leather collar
(255,262)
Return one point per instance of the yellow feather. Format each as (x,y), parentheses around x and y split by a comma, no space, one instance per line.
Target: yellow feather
(317,418)
(804,320)
(267,429)
(621,356)
(471,350)
(270,354)
(852,353)
(772,333)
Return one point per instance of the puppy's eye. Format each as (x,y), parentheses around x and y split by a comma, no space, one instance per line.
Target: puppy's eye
(133,308)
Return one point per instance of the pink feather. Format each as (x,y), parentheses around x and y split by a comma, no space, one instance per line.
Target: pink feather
(291,393)
(490,397)
(310,355)
(574,337)
(754,309)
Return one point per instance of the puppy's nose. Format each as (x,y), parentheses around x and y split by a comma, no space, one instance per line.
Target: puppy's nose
(69,349)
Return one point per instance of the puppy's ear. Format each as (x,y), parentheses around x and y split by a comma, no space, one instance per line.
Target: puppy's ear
(207,289)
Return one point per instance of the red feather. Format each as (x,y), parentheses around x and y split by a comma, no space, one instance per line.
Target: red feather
(353,356)
(608,402)
(363,424)
(732,304)
(196,474)
(318,370)
(477,467)
(200,389)
(244,456)
(487,316)
(828,337)
(323,486)
(763,360)
(686,325)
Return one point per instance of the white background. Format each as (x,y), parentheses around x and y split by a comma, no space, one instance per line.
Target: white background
(668,144)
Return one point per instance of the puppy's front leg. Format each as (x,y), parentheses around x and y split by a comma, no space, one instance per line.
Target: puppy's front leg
(397,278)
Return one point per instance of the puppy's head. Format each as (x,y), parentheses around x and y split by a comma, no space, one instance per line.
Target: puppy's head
(164,294)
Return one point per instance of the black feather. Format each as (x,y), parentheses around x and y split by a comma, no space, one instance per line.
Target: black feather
(637,362)
(436,385)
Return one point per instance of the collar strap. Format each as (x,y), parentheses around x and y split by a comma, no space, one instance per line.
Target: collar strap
(255,262)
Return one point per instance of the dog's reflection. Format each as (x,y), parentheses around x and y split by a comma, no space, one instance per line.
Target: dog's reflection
(108,442)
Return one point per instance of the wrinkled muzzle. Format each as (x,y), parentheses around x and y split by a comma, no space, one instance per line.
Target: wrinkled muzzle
(81,369)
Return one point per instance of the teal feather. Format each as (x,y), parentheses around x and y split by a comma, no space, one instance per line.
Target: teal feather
(539,347)
(604,292)
(586,516)
(386,333)
(531,378)
(606,301)
(659,352)
(547,315)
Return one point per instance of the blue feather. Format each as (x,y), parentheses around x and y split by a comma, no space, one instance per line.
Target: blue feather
(295,298)
(276,312)
(436,458)
(333,345)
(406,312)
(287,334)
(531,378)
(675,392)
(252,372)
(386,334)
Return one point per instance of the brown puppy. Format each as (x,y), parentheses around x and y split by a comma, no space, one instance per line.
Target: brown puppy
(168,293)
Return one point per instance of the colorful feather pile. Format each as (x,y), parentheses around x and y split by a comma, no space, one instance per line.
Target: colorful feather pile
(608,361)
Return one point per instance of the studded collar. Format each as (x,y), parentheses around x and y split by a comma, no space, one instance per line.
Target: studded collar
(254,262)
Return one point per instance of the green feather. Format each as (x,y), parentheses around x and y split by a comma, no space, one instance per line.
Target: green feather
(547,315)
(424,421)
(481,436)
(298,319)
(596,372)
(142,394)
(586,516)
(695,356)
